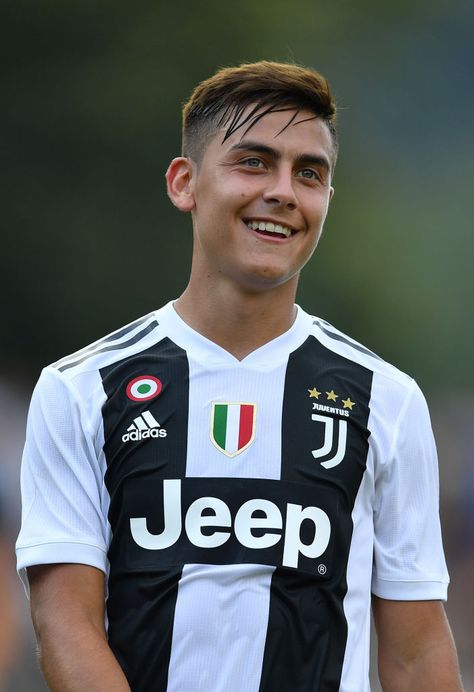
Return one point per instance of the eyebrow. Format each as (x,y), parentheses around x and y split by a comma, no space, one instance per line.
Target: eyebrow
(250,145)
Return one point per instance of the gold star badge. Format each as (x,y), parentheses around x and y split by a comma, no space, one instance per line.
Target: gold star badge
(347,403)
(332,396)
(313,393)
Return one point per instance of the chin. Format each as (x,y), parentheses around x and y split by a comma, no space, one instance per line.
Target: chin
(264,279)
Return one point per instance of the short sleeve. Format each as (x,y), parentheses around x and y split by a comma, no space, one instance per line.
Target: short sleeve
(61,482)
(409,562)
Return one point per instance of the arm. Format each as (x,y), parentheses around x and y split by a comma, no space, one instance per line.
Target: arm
(8,618)
(67,605)
(416,651)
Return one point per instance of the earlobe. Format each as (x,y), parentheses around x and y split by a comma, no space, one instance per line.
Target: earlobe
(179,177)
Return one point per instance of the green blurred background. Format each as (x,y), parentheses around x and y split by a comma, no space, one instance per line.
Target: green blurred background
(92,93)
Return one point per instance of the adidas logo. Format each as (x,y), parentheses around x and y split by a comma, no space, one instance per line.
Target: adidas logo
(143,427)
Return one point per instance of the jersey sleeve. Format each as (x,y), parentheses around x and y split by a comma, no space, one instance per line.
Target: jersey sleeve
(409,561)
(61,482)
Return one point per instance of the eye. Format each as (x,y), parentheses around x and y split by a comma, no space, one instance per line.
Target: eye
(253,162)
(308,174)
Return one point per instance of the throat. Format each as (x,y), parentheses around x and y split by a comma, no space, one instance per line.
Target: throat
(239,328)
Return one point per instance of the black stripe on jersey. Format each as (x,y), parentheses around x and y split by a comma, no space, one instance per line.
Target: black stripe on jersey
(113,347)
(142,597)
(307,629)
(344,340)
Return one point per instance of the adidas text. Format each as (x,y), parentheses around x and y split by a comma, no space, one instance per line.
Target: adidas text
(137,435)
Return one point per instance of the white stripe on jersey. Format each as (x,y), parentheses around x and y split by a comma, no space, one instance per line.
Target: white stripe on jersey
(238,595)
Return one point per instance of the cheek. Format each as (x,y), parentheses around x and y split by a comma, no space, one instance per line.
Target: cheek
(246,190)
(318,211)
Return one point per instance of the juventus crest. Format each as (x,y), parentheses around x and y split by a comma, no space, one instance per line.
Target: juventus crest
(334,442)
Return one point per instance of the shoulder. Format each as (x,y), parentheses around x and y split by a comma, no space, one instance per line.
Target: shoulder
(76,378)
(391,389)
(399,415)
(118,345)
(347,347)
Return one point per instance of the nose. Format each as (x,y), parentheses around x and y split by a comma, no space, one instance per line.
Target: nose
(280,191)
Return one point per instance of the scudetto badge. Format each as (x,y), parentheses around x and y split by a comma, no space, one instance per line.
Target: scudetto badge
(144,388)
(232,427)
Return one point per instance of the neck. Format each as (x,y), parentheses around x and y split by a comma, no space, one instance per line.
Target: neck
(237,320)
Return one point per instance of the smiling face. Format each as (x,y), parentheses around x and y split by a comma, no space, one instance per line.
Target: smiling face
(258,201)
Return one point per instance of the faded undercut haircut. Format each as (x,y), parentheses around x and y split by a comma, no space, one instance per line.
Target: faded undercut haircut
(237,97)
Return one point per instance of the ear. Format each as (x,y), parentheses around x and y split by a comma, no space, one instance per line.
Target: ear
(331,193)
(178,183)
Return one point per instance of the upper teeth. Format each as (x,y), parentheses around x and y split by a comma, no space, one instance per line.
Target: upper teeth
(269,226)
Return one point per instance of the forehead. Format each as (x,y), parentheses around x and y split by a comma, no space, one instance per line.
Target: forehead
(292,130)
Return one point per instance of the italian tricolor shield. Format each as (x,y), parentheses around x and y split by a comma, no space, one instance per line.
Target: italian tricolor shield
(232,427)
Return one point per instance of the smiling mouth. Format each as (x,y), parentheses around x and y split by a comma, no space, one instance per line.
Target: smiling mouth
(268,228)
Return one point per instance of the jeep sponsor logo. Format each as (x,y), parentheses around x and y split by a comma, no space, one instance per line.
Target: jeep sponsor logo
(256,524)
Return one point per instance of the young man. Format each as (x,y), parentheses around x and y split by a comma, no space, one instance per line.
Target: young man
(239,478)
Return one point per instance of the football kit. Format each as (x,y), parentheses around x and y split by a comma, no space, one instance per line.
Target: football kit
(242,511)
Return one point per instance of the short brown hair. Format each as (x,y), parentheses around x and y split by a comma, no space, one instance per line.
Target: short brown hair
(266,86)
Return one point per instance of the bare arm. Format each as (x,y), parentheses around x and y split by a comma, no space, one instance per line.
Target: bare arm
(416,648)
(8,618)
(67,606)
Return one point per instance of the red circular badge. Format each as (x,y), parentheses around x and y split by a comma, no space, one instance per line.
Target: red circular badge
(144,388)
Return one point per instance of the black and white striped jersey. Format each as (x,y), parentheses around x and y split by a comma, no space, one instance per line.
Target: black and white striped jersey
(242,511)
